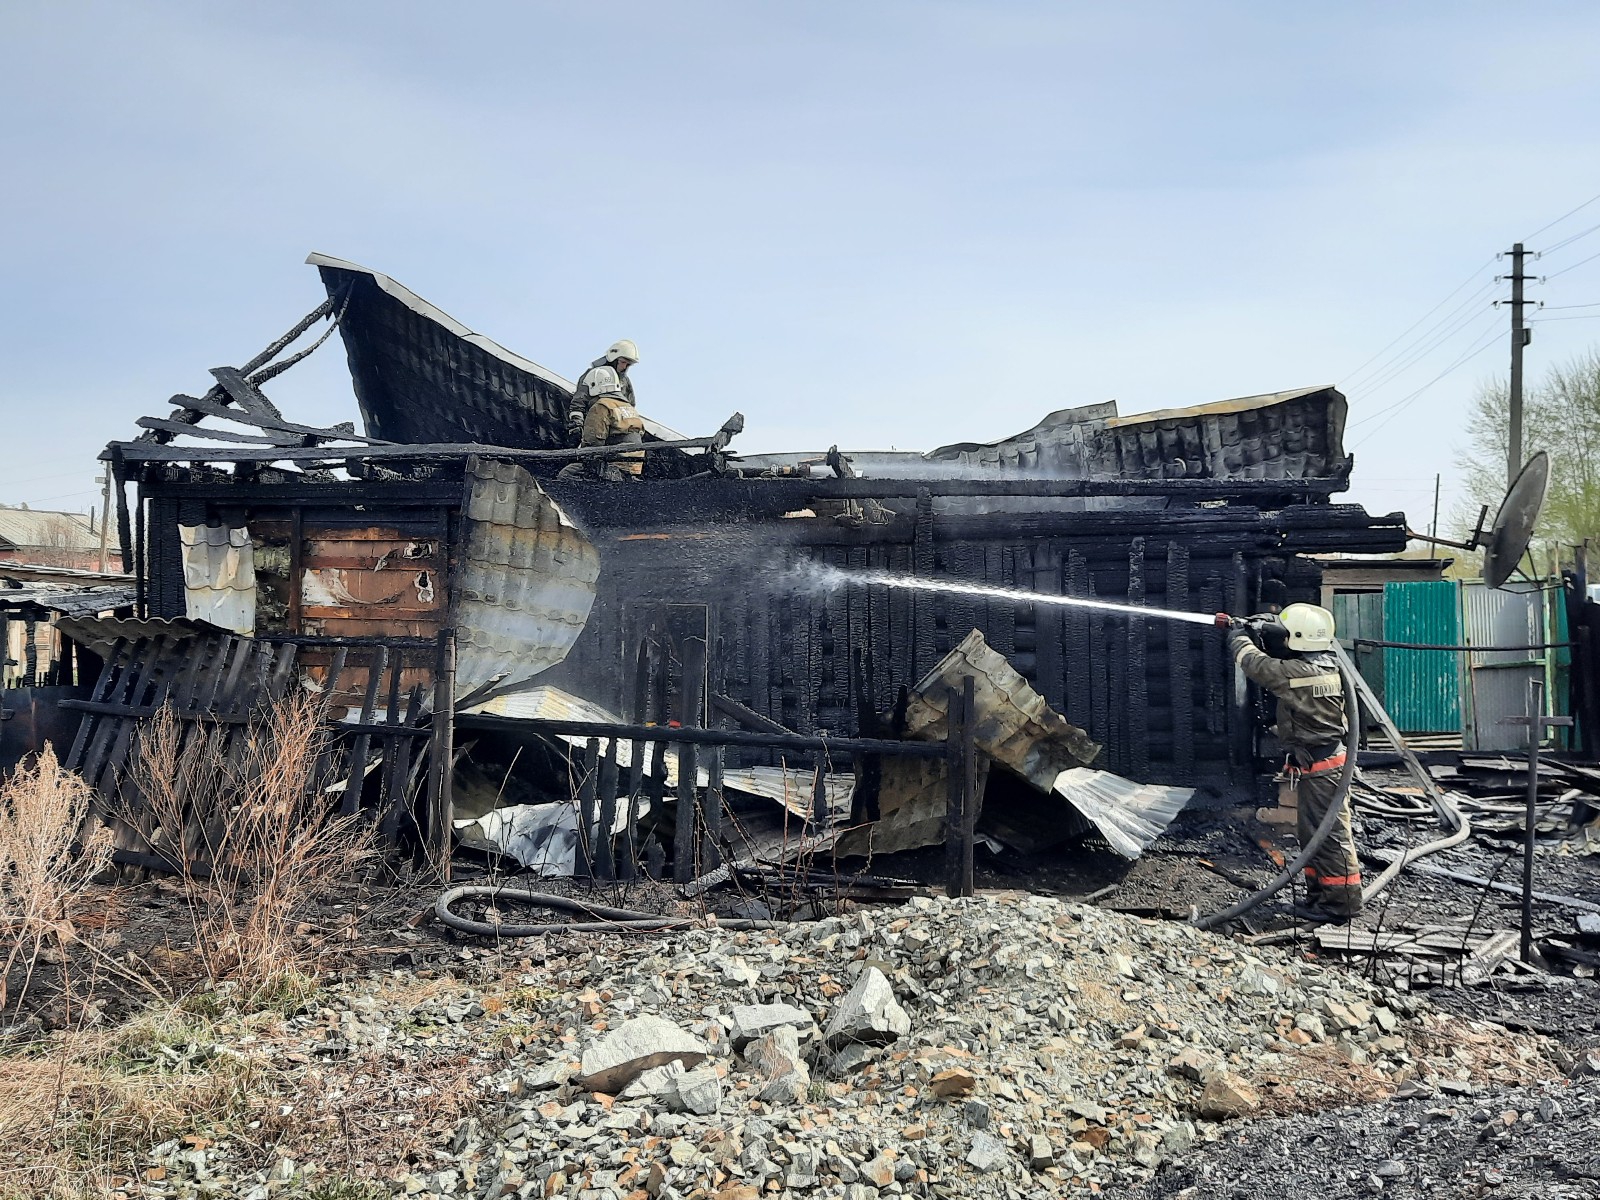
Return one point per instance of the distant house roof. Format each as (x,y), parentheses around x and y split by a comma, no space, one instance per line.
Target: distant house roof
(32,527)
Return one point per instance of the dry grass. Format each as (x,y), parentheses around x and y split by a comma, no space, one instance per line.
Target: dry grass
(78,1115)
(43,809)
(243,816)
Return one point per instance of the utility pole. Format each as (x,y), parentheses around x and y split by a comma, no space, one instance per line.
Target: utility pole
(105,515)
(1521,335)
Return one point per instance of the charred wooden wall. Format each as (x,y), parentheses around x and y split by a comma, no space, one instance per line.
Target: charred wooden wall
(338,560)
(1160,696)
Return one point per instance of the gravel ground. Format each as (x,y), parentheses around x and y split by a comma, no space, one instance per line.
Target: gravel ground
(1009,1045)
(1504,1143)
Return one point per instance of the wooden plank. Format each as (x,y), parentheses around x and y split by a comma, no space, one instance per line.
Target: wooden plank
(248,397)
(1180,664)
(204,406)
(330,682)
(208,431)
(605,866)
(714,813)
(351,799)
(429,451)
(1137,686)
(683,844)
(589,833)
(102,686)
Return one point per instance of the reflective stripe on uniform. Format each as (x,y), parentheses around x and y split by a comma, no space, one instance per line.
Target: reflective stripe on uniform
(1321,685)
(1334,880)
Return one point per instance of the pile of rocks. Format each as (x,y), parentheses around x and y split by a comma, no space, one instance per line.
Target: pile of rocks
(1007,1045)
(998,1046)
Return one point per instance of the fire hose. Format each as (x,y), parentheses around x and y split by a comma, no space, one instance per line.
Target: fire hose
(1323,831)
(606,919)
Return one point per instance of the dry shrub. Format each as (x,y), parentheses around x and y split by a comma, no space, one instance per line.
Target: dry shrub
(43,809)
(243,816)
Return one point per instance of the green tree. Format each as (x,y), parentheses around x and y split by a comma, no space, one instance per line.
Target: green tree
(1561,416)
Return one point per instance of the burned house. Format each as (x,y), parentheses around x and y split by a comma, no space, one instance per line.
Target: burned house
(361,555)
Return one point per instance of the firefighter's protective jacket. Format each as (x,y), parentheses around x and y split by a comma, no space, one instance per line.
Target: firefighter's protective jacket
(613,422)
(583,397)
(1309,690)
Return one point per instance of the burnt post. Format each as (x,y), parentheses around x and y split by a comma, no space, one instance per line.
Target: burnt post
(969,782)
(644,662)
(711,841)
(589,831)
(1537,723)
(683,844)
(441,795)
(605,866)
(958,754)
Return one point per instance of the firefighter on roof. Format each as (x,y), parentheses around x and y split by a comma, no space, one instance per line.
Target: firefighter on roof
(619,356)
(610,421)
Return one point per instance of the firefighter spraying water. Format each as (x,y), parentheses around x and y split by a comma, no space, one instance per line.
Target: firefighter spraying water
(1291,655)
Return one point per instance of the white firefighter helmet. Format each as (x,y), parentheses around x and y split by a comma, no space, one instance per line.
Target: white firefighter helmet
(622,349)
(1310,628)
(603,381)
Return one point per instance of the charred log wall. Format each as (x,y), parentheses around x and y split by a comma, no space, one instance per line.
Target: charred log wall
(1160,696)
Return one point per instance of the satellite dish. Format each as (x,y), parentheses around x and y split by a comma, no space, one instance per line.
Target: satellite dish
(1508,538)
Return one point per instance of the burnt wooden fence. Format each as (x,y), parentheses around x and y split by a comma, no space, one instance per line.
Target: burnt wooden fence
(221,687)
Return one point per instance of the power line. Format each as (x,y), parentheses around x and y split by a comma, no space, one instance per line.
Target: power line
(1561,218)
(1547,320)
(1475,273)
(1554,307)
(1400,366)
(1395,409)
(1575,265)
(1568,241)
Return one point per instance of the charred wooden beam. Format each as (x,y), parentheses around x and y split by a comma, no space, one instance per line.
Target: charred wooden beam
(661,734)
(249,397)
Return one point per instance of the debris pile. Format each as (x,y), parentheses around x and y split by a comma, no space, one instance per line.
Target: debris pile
(1011,1045)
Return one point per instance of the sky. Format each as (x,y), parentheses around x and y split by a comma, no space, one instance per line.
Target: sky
(868,223)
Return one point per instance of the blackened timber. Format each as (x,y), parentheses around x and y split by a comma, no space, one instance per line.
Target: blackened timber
(748,717)
(1242,729)
(150,452)
(202,406)
(389,493)
(1180,663)
(188,414)
(208,431)
(683,843)
(663,734)
(1138,690)
(588,820)
(249,397)
(605,866)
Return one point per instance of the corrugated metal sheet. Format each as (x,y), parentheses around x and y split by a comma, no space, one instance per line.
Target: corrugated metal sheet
(1014,724)
(1512,616)
(219,576)
(1422,689)
(527,580)
(1360,615)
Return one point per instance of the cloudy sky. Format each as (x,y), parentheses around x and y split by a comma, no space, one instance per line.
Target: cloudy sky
(872,223)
